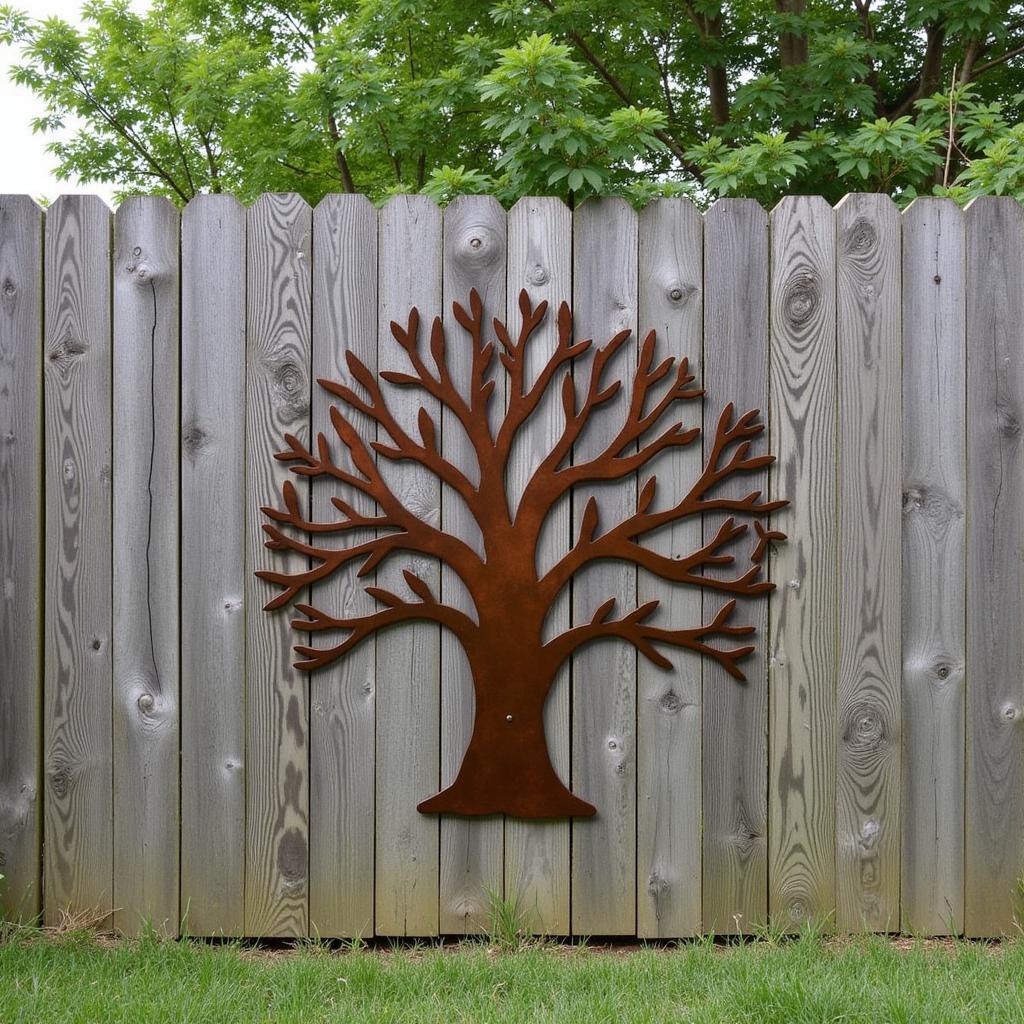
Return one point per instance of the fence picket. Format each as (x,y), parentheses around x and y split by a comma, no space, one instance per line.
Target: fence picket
(803,626)
(213,581)
(21,538)
(145,565)
(78,745)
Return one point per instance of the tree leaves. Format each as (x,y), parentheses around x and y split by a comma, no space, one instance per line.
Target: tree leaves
(607,97)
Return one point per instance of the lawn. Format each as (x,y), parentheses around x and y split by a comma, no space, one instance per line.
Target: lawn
(83,977)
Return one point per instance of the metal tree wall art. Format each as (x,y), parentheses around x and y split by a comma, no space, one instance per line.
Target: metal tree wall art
(506,767)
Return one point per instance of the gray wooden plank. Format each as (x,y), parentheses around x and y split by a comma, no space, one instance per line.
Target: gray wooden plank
(995,570)
(78,807)
(669,800)
(472,849)
(213,516)
(803,626)
(735,715)
(604,675)
(934,571)
(540,260)
(342,696)
(21,538)
(145,565)
(277,713)
(408,658)
(868,693)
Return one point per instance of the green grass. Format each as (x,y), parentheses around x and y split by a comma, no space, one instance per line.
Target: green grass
(79,977)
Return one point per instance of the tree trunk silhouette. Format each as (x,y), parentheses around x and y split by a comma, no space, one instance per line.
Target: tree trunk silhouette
(507,767)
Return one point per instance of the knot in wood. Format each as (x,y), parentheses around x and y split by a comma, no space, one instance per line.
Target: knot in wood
(289,382)
(537,275)
(870,832)
(803,295)
(657,887)
(1009,424)
(193,438)
(291,856)
(146,703)
(865,729)
(670,702)
(480,244)
(1010,712)
(9,287)
(61,774)
(862,236)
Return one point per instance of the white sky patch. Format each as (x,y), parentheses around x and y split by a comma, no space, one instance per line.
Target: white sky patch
(27,166)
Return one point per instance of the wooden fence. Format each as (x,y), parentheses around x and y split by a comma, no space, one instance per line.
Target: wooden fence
(160,760)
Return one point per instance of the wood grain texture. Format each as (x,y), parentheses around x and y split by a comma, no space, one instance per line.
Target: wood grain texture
(604,675)
(472,850)
(540,260)
(995,568)
(341,723)
(933,538)
(213,584)
(78,805)
(408,657)
(277,402)
(803,624)
(869,442)
(145,565)
(669,702)
(21,554)
(735,715)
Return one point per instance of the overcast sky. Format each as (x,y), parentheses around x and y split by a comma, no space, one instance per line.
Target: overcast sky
(27,167)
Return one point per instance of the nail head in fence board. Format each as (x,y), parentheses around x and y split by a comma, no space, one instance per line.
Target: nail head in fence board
(604,676)
(21,515)
(540,260)
(78,808)
(408,658)
(868,698)
(342,696)
(934,474)
(669,702)
(735,716)
(472,850)
(145,565)
(213,582)
(278,395)
(802,670)
(995,568)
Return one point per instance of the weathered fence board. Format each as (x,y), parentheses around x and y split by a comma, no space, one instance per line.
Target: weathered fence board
(472,849)
(540,261)
(145,565)
(868,521)
(995,567)
(735,715)
(803,624)
(341,719)
(213,582)
(78,745)
(409,658)
(21,535)
(278,357)
(604,677)
(934,613)
(669,702)
(858,777)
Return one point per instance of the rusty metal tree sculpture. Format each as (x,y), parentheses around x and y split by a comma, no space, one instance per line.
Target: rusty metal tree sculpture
(506,767)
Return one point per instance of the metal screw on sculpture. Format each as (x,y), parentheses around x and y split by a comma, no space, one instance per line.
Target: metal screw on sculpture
(506,767)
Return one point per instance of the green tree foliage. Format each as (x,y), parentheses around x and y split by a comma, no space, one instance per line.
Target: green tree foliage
(568,97)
